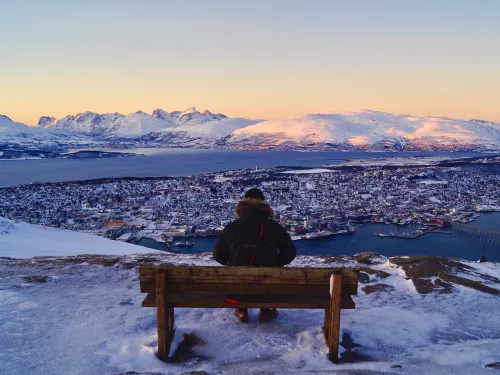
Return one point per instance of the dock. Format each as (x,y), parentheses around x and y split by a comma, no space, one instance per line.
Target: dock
(412,235)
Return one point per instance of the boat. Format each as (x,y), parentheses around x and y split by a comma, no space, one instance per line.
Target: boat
(167,239)
(184,244)
(319,235)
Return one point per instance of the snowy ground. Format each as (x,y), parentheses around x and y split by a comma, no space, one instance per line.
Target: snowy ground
(22,240)
(87,319)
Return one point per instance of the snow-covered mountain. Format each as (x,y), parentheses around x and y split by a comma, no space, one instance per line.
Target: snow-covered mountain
(134,125)
(198,134)
(108,125)
(367,130)
(360,130)
(17,133)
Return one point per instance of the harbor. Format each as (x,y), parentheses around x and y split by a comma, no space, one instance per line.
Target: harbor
(458,244)
(413,235)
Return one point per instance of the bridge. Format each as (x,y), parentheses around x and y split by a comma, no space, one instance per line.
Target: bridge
(487,235)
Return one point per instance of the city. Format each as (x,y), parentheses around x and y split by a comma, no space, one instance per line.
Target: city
(310,204)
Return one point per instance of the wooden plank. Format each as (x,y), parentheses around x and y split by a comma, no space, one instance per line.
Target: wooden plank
(307,274)
(334,317)
(317,289)
(326,323)
(219,301)
(144,269)
(244,275)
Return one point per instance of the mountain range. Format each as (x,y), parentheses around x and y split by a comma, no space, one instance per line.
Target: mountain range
(356,130)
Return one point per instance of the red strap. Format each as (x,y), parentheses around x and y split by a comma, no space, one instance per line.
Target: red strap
(253,258)
(233,301)
(258,240)
(261,232)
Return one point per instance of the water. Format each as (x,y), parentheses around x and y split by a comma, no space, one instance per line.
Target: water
(172,162)
(457,245)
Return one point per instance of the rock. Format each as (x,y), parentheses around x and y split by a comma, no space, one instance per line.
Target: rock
(36,279)
(184,352)
(370,258)
(422,270)
(468,283)
(369,289)
(495,365)
(363,278)
(377,273)
(396,366)
(140,373)
(195,373)
(104,260)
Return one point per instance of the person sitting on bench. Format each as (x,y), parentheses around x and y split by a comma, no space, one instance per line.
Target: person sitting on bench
(254,240)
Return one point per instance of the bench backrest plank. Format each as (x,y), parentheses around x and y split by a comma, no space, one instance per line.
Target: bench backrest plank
(248,280)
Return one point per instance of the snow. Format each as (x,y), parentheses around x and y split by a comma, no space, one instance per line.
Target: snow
(347,129)
(366,127)
(9,127)
(216,128)
(433,182)
(309,171)
(22,240)
(22,134)
(199,132)
(110,125)
(89,320)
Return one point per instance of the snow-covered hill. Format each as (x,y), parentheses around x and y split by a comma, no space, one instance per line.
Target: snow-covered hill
(368,130)
(74,315)
(134,125)
(16,133)
(23,240)
(357,130)
(108,125)
(202,134)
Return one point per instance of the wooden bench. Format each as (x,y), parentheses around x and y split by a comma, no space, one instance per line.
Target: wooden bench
(207,287)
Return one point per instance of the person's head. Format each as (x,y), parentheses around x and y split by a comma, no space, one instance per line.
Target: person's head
(254,193)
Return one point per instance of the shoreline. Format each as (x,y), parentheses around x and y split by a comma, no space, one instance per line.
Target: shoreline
(389,162)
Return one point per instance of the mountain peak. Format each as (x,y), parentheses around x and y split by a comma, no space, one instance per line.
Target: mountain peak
(86,114)
(46,121)
(139,112)
(161,114)
(190,110)
(5,117)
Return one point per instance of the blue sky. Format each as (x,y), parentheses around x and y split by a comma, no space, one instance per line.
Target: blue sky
(258,59)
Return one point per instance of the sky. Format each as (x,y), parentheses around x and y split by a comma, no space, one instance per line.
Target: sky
(261,59)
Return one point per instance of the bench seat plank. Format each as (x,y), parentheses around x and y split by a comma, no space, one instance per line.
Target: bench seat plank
(314,290)
(249,275)
(249,301)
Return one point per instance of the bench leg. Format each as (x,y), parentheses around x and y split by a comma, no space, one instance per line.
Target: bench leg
(326,323)
(334,317)
(165,318)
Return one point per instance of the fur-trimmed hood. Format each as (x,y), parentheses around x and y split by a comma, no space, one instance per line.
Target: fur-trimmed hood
(253,204)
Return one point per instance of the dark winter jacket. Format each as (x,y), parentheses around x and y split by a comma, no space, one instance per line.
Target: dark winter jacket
(252,214)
